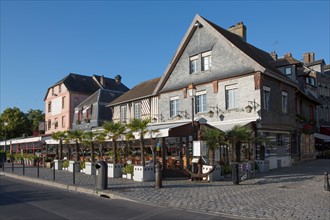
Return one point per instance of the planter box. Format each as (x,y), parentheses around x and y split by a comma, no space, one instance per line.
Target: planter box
(90,168)
(215,175)
(129,176)
(144,173)
(58,164)
(48,164)
(124,176)
(76,166)
(115,170)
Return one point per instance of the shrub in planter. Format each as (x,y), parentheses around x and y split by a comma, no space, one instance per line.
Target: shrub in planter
(65,164)
(82,165)
(128,169)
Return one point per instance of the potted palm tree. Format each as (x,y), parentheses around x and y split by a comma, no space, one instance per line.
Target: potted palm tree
(114,130)
(59,136)
(142,172)
(77,137)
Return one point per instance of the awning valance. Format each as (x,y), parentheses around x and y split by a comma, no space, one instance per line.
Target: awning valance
(323,137)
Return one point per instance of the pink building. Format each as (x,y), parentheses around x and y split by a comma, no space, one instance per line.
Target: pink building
(65,95)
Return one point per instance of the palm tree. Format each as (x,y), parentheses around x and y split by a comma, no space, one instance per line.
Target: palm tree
(77,137)
(214,138)
(140,126)
(89,139)
(237,135)
(114,130)
(59,136)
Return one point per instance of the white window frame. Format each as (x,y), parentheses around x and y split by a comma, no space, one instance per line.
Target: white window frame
(284,102)
(288,70)
(174,106)
(137,110)
(266,97)
(206,60)
(193,64)
(200,102)
(232,96)
(123,113)
(310,80)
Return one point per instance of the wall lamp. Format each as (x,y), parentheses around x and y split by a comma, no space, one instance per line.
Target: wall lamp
(216,109)
(251,105)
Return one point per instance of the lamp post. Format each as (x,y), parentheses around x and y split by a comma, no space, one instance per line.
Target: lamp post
(5,125)
(192,93)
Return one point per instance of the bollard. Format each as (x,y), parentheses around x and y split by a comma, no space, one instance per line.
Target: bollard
(53,171)
(23,167)
(3,164)
(12,166)
(38,169)
(74,175)
(158,181)
(235,174)
(326,182)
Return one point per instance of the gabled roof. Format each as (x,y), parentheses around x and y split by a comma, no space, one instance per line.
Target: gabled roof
(316,62)
(261,57)
(88,84)
(101,96)
(140,91)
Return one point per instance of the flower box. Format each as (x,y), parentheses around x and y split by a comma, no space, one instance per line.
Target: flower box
(115,170)
(144,173)
(74,164)
(90,168)
(58,164)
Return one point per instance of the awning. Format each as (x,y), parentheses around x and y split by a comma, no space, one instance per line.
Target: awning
(227,125)
(163,130)
(323,137)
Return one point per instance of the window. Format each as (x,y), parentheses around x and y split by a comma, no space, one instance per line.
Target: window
(284,102)
(310,81)
(206,61)
(49,106)
(298,105)
(63,102)
(123,111)
(193,64)
(174,106)
(266,97)
(53,93)
(231,96)
(49,125)
(288,70)
(63,121)
(200,102)
(137,110)
(56,123)
(59,88)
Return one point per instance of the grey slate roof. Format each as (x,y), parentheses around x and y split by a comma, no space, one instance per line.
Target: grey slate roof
(140,91)
(89,84)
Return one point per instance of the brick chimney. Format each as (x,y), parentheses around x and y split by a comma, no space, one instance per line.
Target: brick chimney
(308,57)
(239,29)
(287,55)
(273,55)
(118,79)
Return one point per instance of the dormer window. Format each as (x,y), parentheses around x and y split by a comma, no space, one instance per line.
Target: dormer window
(310,81)
(288,71)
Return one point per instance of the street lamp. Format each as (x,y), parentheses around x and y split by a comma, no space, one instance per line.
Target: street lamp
(5,125)
(192,93)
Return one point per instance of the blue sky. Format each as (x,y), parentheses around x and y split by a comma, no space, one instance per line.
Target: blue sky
(43,41)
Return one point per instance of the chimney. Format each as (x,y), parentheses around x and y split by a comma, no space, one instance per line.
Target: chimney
(118,79)
(287,55)
(239,29)
(273,55)
(102,80)
(308,57)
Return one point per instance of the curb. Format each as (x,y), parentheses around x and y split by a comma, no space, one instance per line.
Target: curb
(93,192)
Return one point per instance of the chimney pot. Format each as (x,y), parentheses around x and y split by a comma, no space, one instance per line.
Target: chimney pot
(118,79)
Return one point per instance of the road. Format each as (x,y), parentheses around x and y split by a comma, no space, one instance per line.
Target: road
(23,200)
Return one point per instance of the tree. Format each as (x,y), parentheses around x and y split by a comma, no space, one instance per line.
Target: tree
(140,126)
(77,137)
(89,138)
(214,138)
(114,130)
(34,117)
(237,135)
(17,126)
(59,136)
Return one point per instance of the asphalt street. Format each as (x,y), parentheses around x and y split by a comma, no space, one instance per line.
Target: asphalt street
(295,192)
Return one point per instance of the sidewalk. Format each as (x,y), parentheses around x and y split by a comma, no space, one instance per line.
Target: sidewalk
(288,193)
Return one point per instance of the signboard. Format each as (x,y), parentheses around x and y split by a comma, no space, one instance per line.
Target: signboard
(199,148)
(41,126)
